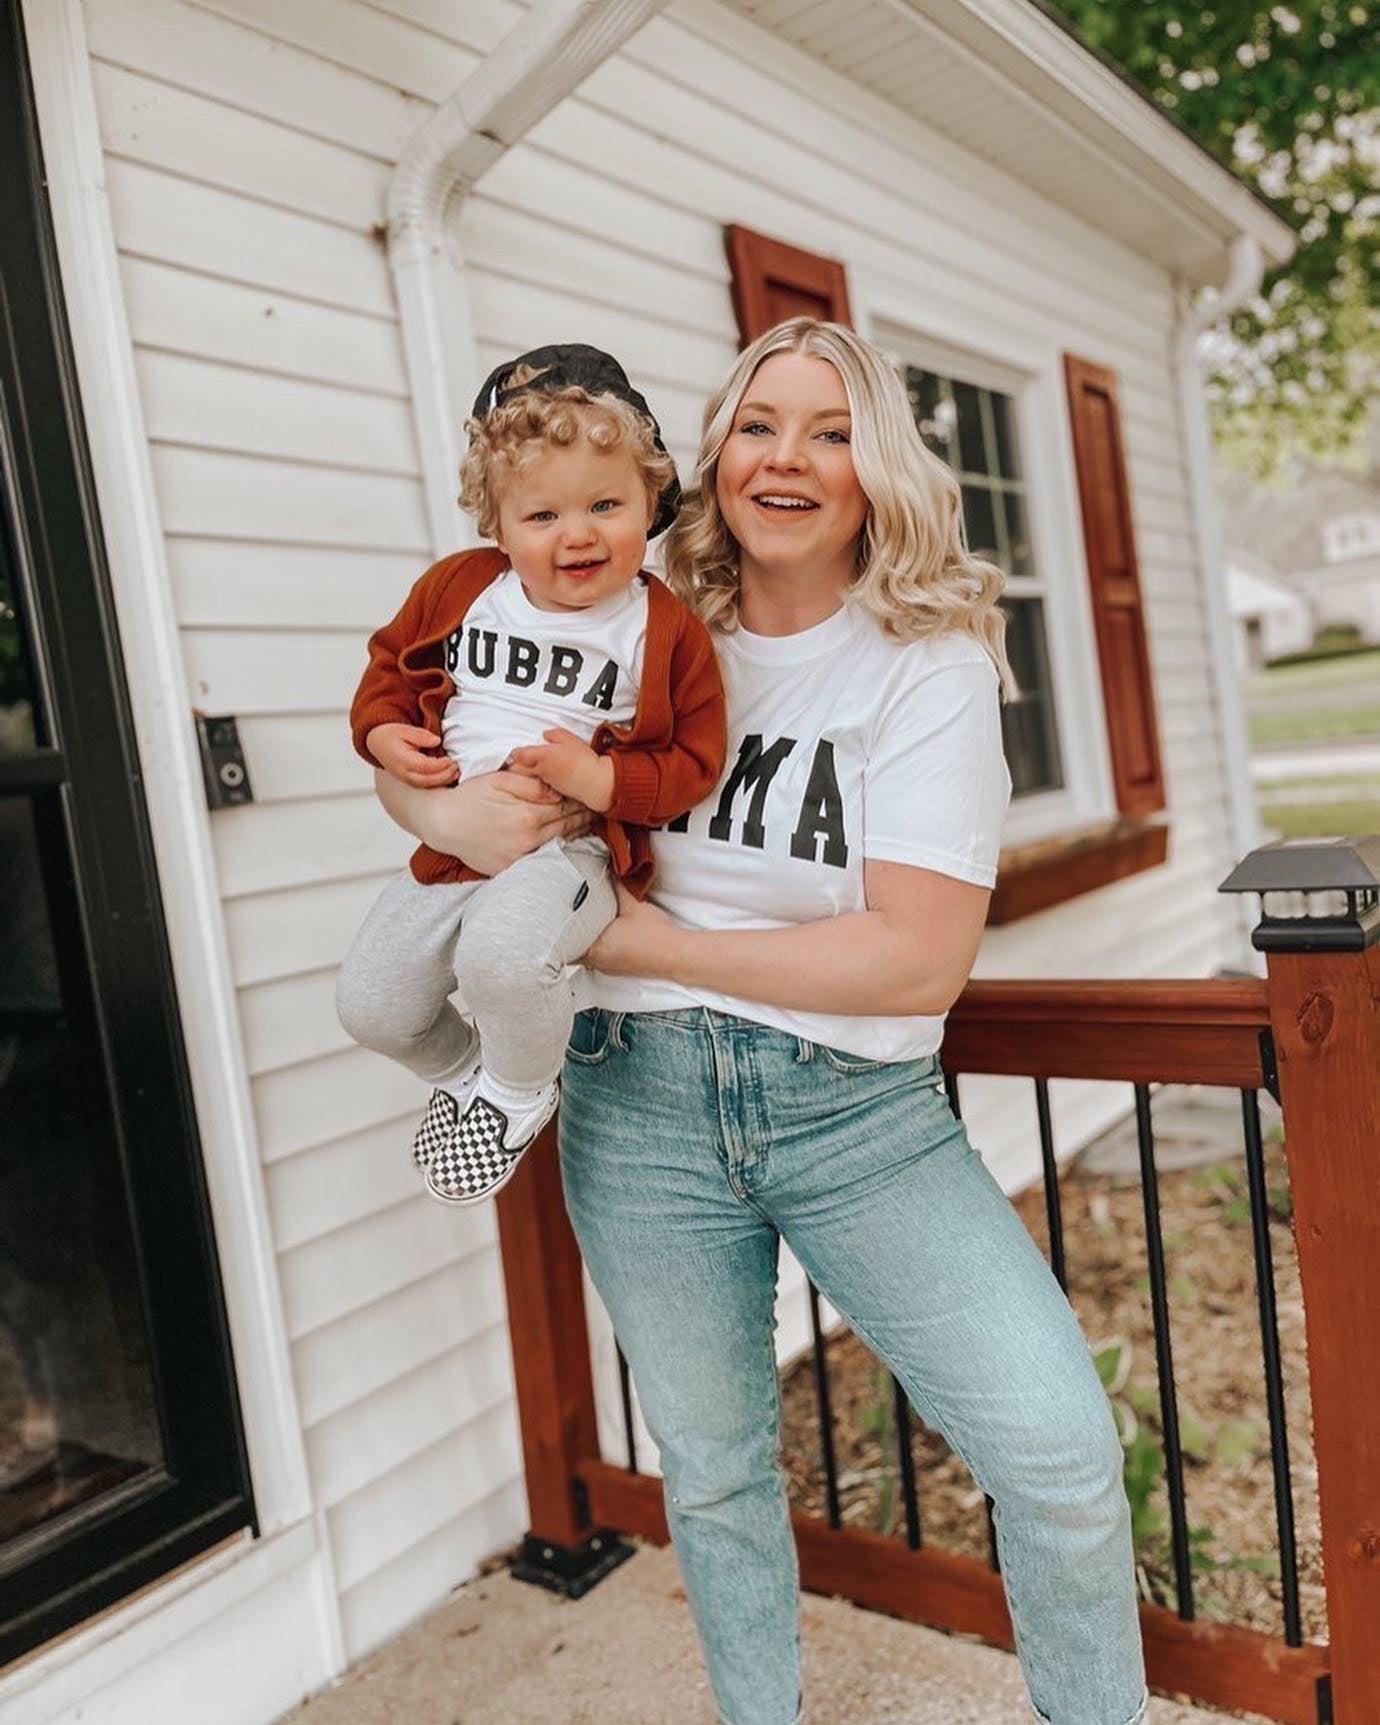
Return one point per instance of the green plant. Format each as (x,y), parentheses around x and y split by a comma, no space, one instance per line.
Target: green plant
(879,1423)
(1134,1406)
(1144,1464)
(1286,97)
(1228,1184)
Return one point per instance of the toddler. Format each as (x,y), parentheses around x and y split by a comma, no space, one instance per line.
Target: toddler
(559,645)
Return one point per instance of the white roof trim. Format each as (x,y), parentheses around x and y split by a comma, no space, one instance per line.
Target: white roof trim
(1070,81)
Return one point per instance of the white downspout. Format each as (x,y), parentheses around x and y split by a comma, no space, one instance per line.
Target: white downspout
(1245,269)
(554,47)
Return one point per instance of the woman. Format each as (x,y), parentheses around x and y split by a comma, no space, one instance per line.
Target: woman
(759,1061)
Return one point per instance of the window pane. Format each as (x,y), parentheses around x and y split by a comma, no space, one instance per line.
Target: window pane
(972,452)
(1004,425)
(1017,533)
(77,1412)
(16,687)
(1029,730)
(934,412)
(979,518)
(951,416)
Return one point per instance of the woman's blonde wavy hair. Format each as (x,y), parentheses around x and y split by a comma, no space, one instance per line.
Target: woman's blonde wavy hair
(915,573)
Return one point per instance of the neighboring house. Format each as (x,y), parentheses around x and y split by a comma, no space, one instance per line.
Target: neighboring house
(1268,617)
(1319,535)
(1345,587)
(269,417)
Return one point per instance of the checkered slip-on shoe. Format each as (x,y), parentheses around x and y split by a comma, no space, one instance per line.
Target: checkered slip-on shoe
(474,1163)
(443,1112)
(438,1124)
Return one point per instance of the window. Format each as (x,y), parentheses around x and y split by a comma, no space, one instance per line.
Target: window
(121,1453)
(1351,536)
(974,431)
(1065,834)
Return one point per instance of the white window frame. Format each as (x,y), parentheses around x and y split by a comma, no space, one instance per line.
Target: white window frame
(941,337)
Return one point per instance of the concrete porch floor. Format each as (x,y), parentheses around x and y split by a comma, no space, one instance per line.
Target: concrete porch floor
(501,1652)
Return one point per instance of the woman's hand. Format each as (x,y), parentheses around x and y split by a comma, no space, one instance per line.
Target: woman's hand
(640,941)
(487,822)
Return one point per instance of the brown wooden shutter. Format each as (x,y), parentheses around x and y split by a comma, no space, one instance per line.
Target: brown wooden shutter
(1128,689)
(772,280)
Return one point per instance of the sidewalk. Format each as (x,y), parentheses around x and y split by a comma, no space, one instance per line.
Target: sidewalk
(500,1652)
(1321,759)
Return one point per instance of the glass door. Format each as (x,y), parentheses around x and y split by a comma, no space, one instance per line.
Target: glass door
(121,1453)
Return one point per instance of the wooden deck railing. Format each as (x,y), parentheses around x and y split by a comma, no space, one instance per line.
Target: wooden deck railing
(1311,1031)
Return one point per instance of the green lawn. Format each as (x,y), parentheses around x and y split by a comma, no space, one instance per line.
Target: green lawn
(1365,785)
(1321,820)
(1333,700)
(1313,724)
(1352,670)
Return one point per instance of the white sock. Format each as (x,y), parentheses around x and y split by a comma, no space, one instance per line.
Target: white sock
(460,1084)
(525,1107)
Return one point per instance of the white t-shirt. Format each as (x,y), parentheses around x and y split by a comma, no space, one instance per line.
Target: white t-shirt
(843,745)
(519,671)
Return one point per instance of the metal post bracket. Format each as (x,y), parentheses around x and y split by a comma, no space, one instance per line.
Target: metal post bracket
(570,1570)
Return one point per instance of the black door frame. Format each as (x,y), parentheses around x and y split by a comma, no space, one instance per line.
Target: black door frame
(84,782)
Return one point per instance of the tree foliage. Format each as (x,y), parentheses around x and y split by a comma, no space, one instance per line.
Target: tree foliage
(1289,97)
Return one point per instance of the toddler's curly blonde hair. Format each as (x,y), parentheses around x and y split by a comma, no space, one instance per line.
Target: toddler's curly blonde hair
(513,435)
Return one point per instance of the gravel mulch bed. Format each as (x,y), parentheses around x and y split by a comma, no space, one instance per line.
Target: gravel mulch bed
(1217,1365)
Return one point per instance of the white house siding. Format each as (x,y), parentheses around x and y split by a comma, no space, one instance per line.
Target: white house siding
(248,150)
(1342,593)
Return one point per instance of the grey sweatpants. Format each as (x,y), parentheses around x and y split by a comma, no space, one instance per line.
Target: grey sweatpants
(504,942)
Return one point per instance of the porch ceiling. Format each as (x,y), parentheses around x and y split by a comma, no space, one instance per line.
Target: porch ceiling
(1004,80)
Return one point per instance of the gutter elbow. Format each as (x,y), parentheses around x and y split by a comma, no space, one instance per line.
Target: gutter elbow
(1245,272)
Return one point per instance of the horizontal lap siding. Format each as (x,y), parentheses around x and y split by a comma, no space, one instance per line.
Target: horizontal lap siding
(247,177)
(249,144)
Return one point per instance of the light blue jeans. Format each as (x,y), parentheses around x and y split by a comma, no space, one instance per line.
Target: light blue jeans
(692,1143)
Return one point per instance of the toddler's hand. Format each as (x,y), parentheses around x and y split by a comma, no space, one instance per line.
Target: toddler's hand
(409,753)
(569,766)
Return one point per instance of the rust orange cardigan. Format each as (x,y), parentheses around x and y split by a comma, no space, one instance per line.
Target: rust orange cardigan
(665,762)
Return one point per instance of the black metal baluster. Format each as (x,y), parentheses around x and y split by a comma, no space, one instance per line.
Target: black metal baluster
(993,1555)
(1054,1212)
(629,1429)
(1164,1358)
(826,1417)
(1274,1376)
(909,1495)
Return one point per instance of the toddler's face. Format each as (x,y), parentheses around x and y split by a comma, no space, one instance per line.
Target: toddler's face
(574,525)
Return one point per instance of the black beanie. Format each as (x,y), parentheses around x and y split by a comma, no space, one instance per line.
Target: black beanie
(568,365)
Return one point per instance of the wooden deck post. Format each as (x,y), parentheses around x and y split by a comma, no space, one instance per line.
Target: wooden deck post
(1324,989)
(555,1386)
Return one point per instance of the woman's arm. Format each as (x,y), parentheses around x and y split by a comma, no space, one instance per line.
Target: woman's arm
(487,822)
(909,952)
